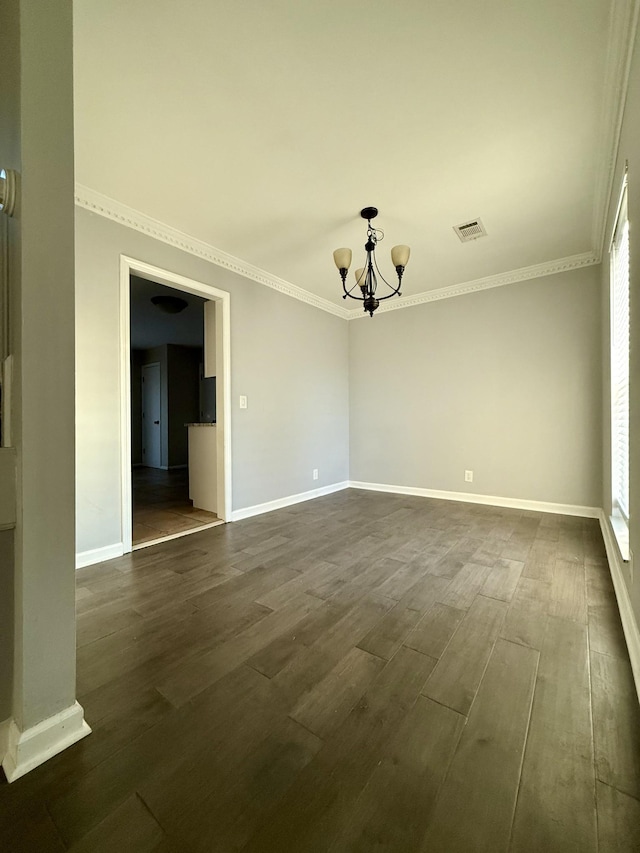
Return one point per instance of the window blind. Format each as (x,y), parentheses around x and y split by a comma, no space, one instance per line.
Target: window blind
(620,362)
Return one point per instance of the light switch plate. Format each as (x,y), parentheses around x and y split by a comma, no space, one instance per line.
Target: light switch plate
(243,401)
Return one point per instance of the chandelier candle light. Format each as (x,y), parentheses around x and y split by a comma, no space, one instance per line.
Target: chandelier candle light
(367,276)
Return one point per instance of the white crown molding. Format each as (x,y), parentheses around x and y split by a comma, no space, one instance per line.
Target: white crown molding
(32,747)
(623,23)
(572,262)
(96,202)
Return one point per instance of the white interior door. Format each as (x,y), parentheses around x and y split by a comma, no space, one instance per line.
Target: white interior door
(151,455)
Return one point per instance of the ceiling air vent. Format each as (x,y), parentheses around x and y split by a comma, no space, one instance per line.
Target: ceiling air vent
(470,230)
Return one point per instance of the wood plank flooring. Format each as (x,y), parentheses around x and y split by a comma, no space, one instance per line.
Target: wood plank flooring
(362,672)
(161,505)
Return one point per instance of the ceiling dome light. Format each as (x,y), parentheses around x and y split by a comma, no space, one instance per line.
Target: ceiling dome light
(170,304)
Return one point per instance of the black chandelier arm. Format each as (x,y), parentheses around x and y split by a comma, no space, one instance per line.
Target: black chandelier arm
(375,261)
(350,292)
(370,276)
(368,270)
(351,296)
(365,298)
(395,293)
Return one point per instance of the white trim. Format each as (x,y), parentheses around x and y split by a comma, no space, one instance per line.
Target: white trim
(179,535)
(30,748)
(99,555)
(4,738)
(111,209)
(623,23)
(489,500)
(224,498)
(101,204)
(142,269)
(572,262)
(627,616)
(620,531)
(281,503)
(126,489)
(621,199)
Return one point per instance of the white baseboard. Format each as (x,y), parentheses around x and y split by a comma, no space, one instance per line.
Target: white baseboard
(98,555)
(281,503)
(489,500)
(4,738)
(627,616)
(28,749)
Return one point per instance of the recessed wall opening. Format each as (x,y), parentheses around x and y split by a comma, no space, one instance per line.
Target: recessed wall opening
(170,394)
(175,408)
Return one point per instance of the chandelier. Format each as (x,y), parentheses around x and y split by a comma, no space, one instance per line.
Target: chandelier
(367,276)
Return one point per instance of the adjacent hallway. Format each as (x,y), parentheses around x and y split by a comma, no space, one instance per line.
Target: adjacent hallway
(161,505)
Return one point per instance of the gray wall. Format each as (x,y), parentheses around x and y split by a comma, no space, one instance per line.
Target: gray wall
(505,382)
(36,139)
(183,386)
(288,358)
(629,151)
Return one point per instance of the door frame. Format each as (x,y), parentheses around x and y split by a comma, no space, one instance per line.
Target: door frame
(130,266)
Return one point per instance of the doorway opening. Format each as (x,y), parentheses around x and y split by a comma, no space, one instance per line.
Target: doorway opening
(175,412)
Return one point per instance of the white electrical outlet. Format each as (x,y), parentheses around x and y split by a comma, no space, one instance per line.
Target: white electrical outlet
(243,401)
(468,476)
(315,473)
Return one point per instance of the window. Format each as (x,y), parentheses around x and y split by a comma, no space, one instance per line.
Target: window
(619,289)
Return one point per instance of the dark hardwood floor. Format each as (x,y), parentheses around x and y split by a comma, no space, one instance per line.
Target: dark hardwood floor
(362,672)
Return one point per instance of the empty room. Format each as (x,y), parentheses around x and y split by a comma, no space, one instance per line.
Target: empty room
(377,265)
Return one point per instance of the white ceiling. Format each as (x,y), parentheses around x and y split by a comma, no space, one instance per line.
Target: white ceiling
(262,128)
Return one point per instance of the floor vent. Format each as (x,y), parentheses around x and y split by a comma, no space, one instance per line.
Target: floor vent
(470,230)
